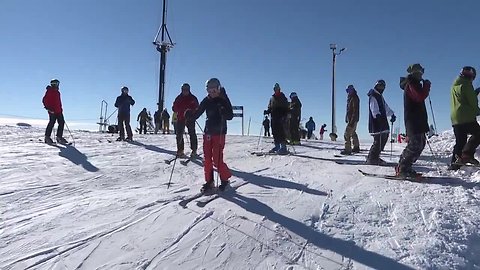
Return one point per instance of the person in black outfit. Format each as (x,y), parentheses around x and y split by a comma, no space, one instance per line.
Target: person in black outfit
(123,103)
(266,127)
(278,109)
(143,117)
(295,116)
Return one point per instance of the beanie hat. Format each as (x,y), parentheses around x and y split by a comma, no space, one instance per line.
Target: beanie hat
(125,89)
(381,82)
(293,94)
(468,72)
(415,68)
(349,88)
(276,86)
(185,86)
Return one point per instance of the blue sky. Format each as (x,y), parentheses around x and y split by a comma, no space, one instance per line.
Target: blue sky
(95,47)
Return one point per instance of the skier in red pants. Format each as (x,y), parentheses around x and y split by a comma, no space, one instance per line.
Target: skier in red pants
(218,110)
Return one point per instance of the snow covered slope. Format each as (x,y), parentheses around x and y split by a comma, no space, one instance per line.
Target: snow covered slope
(105,205)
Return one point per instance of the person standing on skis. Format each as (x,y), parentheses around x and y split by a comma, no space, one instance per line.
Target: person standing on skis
(295,108)
(53,104)
(143,118)
(123,103)
(266,127)
(310,126)
(415,91)
(351,118)
(218,110)
(464,112)
(278,109)
(377,122)
(185,103)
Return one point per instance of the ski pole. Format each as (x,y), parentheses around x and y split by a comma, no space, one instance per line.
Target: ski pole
(433,115)
(73,140)
(171,173)
(260,137)
(391,143)
(433,154)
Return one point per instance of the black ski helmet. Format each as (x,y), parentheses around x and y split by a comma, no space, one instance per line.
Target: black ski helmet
(54,82)
(213,83)
(125,89)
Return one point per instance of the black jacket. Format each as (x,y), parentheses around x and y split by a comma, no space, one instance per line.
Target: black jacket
(295,109)
(377,120)
(218,111)
(278,107)
(414,109)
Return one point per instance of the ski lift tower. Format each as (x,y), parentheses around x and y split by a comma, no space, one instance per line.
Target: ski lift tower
(163,46)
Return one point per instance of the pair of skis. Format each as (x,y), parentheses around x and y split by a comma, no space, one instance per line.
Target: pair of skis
(203,198)
(184,160)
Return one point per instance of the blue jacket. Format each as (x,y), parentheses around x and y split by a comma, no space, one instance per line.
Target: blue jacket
(123,103)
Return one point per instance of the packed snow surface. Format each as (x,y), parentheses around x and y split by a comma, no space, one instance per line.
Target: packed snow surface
(102,204)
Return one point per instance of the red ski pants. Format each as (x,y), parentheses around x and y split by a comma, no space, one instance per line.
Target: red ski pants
(213,153)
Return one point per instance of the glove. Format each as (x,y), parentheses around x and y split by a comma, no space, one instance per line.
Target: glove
(265,112)
(393,118)
(188,115)
(426,84)
(49,111)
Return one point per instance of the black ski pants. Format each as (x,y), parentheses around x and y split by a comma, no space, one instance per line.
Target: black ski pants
(413,150)
(266,131)
(52,119)
(143,126)
(462,145)
(379,142)
(180,130)
(278,130)
(124,123)
(294,130)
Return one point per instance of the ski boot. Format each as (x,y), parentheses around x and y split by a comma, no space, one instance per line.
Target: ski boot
(194,154)
(283,150)
(48,140)
(275,149)
(119,139)
(61,140)
(223,185)
(208,186)
(346,152)
(356,150)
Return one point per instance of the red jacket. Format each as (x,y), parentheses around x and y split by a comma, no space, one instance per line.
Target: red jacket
(52,101)
(183,103)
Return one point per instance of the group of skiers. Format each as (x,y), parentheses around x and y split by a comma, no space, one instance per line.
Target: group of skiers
(218,109)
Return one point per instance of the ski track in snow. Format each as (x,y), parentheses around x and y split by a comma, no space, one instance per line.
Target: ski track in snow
(102,205)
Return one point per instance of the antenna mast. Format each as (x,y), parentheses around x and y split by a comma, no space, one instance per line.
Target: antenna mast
(162,46)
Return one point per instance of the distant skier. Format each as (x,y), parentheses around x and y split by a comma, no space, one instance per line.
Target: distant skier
(185,103)
(53,104)
(123,103)
(351,118)
(322,131)
(415,91)
(166,119)
(143,118)
(295,116)
(266,127)
(158,120)
(218,110)
(464,111)
(378,123)
(278,109)
(310,126)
